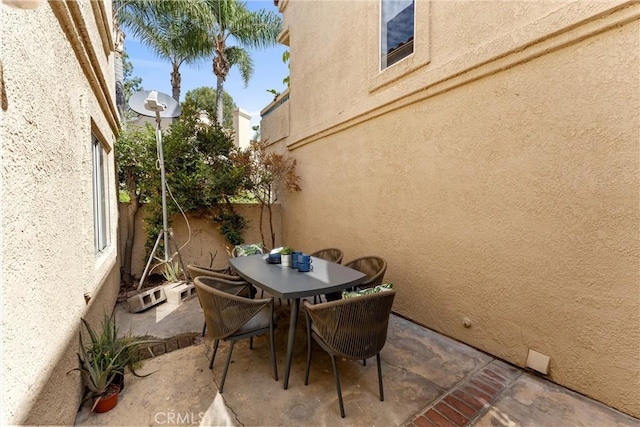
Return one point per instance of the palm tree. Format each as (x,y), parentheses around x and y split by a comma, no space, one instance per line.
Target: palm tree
(252,30)
(166,27)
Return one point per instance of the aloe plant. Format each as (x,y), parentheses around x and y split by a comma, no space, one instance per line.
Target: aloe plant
(97,373)
(171,271)
(107,356)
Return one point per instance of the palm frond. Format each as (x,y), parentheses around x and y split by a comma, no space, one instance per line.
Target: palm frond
(241,58)
(256,30)
(172,30)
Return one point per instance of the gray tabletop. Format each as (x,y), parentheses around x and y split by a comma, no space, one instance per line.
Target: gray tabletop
(287,282)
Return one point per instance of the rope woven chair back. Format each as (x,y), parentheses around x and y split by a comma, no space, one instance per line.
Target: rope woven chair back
(329,254)
(197,271)
(225,313)
(233,287)
(354,328)
(373,266)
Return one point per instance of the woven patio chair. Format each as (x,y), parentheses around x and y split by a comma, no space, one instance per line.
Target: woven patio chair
(352,328)
(226,272)
(329,254)
(373,266)
(237,286)
(234,286)
(233,318)
(333,255)
(221,273)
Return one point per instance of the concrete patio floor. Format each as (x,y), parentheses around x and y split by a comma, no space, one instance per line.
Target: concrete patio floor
(428,380)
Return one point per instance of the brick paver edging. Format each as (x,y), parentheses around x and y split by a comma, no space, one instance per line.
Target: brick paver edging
(469,399)
(168,345)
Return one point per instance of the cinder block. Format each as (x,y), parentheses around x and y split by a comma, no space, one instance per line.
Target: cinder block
(177,293)
(146,299)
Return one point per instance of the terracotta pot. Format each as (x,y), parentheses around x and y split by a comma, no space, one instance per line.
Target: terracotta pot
(119,380)
(108,401)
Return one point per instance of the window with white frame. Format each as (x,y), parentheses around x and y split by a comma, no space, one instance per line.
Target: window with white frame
(397,30)
(100,196)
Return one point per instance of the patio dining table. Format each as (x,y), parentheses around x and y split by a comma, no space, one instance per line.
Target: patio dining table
(289,283)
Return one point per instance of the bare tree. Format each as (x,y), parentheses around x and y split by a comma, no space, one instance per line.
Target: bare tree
(270,174)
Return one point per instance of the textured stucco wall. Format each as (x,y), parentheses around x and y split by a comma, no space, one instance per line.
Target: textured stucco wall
(48,259)
(206,241)
(499,180)
(278,118)
(242,131)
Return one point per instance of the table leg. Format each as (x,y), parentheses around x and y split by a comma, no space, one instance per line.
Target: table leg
(293,323)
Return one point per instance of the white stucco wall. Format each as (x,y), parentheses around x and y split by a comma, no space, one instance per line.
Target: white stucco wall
(59,83)
(496,170)
(241,128)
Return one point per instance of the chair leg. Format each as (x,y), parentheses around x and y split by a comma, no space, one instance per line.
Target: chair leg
(204,328)
(335,373)
(380,377)
(306,373)
(250,343)
(215,350)
(309,333)
(364,362)
(226,367)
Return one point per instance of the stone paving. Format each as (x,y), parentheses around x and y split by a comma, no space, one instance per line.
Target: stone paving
(429,380)
(467,401)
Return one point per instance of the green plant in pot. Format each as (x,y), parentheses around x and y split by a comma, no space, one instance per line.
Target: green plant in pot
(126,347)
(98,374)
(285,253)
(104,360)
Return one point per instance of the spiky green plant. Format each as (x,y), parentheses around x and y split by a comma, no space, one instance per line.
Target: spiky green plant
(171,271)
(106,357)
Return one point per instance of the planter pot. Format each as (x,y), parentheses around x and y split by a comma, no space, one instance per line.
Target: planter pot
(286,260)
(108,401)
(118,380)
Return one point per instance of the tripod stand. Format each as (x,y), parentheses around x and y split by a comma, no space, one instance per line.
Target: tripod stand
(151,104)
(167,233)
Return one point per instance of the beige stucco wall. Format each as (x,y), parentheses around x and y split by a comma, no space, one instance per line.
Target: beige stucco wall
(58,78)
(204,241)
(278,118)
(499,179)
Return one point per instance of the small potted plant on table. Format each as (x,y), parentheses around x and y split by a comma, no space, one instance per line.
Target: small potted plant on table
(285,253)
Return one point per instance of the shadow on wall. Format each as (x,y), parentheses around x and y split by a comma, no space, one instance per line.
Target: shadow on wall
(206,242)
(58,401)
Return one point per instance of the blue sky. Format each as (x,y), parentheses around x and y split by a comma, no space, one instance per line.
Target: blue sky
(268,72)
